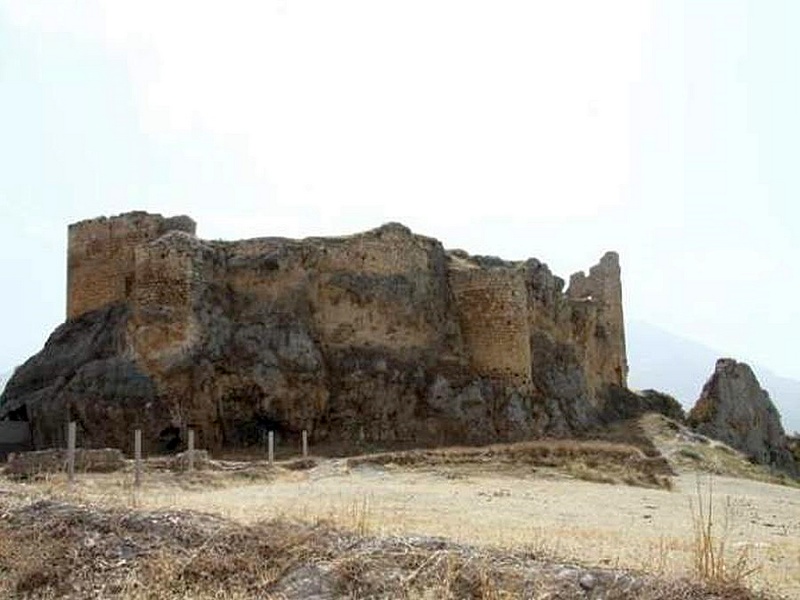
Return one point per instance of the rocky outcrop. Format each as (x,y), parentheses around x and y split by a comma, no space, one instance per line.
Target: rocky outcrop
(382,336)
(793,441)
(734,409)
(621,404)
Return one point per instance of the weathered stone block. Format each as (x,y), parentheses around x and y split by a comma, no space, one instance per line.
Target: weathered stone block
(30,464)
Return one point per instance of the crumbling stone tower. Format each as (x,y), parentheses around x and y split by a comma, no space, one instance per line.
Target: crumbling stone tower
(492,310)
(101,256)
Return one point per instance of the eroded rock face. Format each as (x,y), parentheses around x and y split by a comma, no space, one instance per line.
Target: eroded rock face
(381,336)
(734,409)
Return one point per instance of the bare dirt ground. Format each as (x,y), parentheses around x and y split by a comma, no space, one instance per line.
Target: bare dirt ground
(540,510)
(593,522)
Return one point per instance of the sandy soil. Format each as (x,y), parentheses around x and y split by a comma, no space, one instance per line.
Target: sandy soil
(595,523)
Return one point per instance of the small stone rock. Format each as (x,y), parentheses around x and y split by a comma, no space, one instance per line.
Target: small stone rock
(566,573)
(587,581)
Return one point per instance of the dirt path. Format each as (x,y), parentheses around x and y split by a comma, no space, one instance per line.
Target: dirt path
(597,523)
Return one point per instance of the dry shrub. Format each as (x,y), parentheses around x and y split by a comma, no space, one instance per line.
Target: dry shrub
(714,562)
(57,550)
(30,562)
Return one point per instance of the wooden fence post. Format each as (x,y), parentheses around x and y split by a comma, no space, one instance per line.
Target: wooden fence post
(271,447)
(305,443)
(191,450)
(137,456)
(71,435)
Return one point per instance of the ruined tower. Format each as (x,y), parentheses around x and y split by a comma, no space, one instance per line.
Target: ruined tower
(101,256)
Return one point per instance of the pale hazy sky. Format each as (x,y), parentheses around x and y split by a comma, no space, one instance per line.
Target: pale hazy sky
(665,130)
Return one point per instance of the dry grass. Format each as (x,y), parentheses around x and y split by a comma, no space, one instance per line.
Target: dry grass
(597,461)
(512,496)
(58,550)
(688,451)
(714,561)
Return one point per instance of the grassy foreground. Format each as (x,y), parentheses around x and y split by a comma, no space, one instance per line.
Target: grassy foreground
(55,549)
(524,520)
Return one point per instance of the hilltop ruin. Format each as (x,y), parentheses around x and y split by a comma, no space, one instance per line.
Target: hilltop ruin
(381,336)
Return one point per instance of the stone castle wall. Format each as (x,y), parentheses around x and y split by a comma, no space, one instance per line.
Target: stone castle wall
(382,332)
(603,335)
(129,258)
(492,309)
(388,250)
(101,257)
(383,329)
(167,273)
(371,286)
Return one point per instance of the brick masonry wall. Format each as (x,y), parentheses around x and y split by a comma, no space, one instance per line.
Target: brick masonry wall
(169,273)
(100,259)
(388,250)
(492,307)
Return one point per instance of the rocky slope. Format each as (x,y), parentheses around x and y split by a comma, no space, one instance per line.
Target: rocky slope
(734,409)
(382,336)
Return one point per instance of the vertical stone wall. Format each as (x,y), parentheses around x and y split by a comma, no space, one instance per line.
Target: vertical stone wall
(100,259)
(169,274)
(371,287)
(170,317)
(492,309)
(387,250)
(598,297)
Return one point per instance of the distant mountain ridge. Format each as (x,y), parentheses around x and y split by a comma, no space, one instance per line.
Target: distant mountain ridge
(678,366)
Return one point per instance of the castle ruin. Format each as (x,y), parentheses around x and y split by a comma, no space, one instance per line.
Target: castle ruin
(382,335)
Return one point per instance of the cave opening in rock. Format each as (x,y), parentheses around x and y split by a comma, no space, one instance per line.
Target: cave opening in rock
(263,424)
(169,439)
(19,414)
